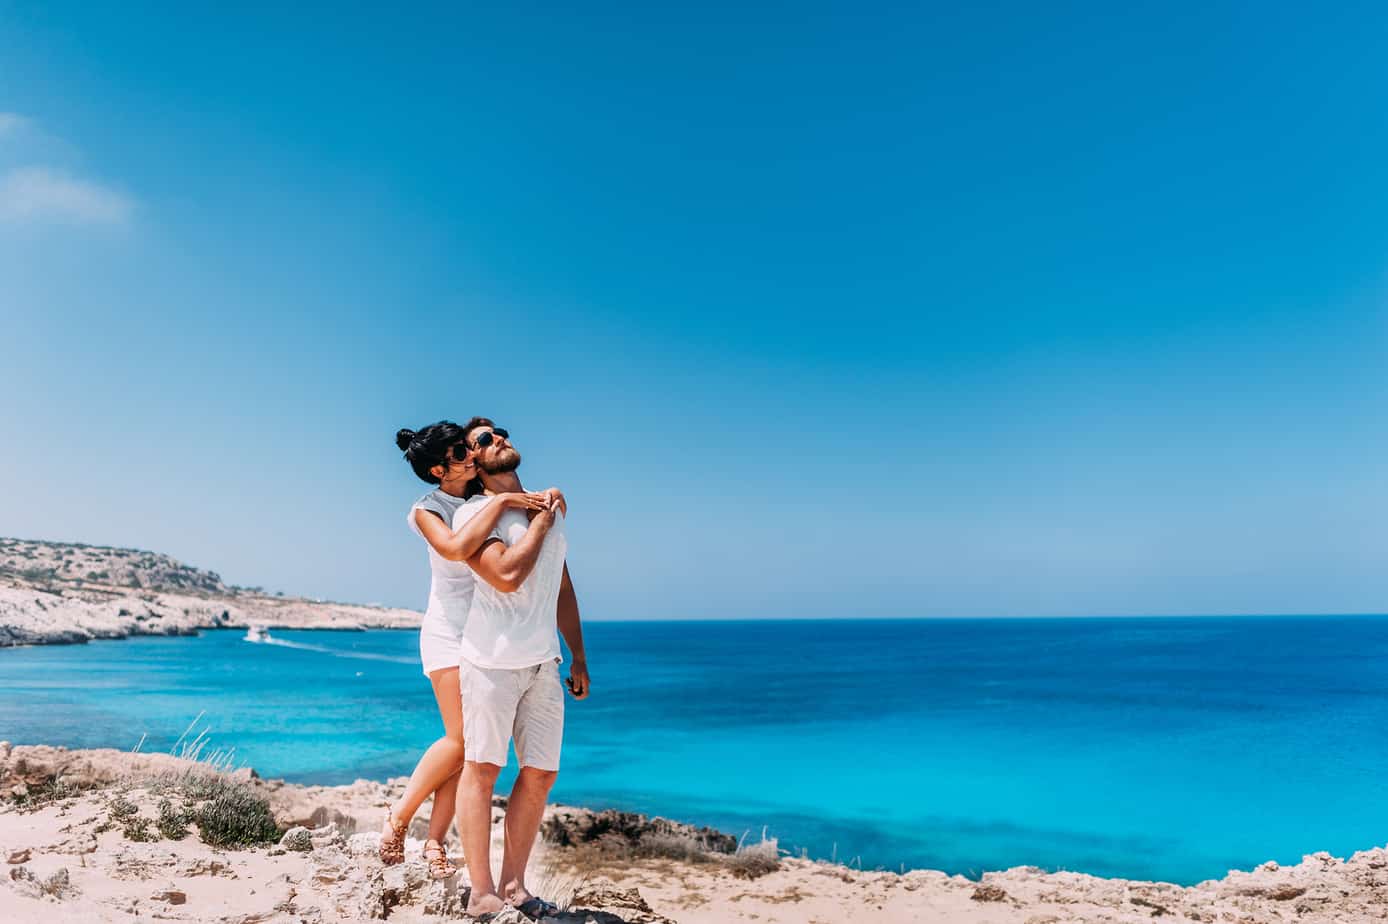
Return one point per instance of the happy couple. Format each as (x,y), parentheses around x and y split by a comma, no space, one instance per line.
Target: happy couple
(489,648)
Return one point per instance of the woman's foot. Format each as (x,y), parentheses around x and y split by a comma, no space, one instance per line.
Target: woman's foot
(393,839)
(437,858)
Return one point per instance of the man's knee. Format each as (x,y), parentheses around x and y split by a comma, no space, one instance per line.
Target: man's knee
(481,772)
(538,777)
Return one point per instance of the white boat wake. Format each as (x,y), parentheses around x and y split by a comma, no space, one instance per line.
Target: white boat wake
(267,639)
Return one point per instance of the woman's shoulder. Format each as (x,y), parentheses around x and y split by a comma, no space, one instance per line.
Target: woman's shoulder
(428,501)
(440,502)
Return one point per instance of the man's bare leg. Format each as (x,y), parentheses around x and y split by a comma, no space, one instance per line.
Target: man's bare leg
(475,826)
(523,814)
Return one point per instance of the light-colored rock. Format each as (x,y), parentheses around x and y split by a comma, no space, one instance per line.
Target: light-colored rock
(327,835)
(171,895)
(366,844)
(19,856)
(297,839)
(117,881)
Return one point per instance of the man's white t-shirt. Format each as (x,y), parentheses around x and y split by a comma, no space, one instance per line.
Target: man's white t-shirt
(512,630)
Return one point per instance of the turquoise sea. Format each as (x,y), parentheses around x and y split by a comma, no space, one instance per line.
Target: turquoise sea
(1156,748)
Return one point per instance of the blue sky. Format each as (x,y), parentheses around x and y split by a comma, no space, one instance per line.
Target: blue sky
(812,310)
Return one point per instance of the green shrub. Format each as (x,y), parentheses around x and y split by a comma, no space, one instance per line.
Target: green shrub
(233,815)
(172,823)
(137,829)
(46,793)
(123,808)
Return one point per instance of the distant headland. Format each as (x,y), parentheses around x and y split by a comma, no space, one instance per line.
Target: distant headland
(63,593)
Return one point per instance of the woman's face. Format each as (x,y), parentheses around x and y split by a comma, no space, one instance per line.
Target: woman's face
(459,465)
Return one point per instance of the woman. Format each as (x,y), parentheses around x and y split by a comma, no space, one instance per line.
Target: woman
(439,457)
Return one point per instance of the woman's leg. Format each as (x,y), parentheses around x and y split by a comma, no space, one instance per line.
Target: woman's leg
(439,767)
(451,709)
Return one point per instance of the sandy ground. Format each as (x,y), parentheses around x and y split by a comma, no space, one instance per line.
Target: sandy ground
(70,858)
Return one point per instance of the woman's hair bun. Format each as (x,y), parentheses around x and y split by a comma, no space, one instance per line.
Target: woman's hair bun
(429,447)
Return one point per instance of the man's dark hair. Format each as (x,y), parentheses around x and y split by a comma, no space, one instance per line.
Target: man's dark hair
(429,447)
(474,423)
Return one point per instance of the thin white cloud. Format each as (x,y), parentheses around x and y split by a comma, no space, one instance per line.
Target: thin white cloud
(45,194)
(11,122)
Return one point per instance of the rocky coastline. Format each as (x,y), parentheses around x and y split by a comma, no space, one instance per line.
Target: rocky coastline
(112,836)
(67,593)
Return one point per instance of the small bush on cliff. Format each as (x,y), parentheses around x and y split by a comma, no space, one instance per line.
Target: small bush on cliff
(123,808)
(233,815)
(752,861)
(57,789)
(672,846)
(172,823)
(137,829)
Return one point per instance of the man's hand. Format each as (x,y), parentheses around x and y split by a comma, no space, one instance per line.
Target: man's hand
(578,679)
(556,500)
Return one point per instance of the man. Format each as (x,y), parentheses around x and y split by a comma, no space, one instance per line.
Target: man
(509,675)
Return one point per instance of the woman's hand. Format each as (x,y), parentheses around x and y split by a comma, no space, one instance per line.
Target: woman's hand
(525,500)
(556,500)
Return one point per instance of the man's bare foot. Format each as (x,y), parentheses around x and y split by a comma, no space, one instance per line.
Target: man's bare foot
(484,904)
(519,897)
(517,894)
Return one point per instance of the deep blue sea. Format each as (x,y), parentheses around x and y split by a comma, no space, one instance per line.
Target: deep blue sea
(1171,749)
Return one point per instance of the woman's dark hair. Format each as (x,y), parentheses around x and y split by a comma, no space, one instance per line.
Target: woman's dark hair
(429,447)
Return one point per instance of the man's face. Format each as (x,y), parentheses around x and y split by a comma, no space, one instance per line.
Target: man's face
(493,451)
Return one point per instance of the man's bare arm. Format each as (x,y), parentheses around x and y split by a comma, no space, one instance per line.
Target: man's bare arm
(571,627)
(506,567)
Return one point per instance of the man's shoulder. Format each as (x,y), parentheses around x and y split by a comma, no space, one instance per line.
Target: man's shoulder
(469,507)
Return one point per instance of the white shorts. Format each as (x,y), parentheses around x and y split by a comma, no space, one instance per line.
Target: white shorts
(439,641)
(524,702)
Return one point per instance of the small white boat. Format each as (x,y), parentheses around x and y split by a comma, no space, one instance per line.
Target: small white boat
(258,632)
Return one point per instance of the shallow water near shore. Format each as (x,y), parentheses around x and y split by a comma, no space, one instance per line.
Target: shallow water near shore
(1170,749)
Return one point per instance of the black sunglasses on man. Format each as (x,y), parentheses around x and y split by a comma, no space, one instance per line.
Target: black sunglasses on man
(487,437)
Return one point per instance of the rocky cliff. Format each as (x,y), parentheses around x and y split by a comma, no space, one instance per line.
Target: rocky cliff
(56,592)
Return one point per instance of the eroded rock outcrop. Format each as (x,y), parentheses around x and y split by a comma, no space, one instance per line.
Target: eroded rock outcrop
(64,593)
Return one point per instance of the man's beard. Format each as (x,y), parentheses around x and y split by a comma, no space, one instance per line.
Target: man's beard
(507,460)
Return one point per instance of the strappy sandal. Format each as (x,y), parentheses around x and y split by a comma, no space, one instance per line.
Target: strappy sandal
(393,843)
(437,858)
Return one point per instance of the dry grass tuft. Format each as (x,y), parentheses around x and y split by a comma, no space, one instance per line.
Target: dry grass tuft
(556,883)
(671,846)
(752,861)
